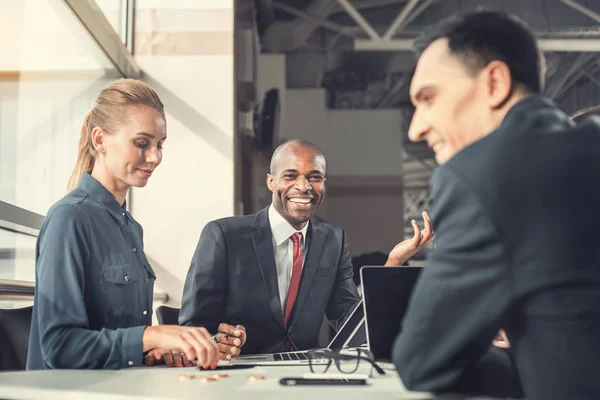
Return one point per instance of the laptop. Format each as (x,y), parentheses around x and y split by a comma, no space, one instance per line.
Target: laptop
(352,333)
(386,294)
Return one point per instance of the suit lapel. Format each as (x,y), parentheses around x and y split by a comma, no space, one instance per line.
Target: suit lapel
(310,266)
(262,239)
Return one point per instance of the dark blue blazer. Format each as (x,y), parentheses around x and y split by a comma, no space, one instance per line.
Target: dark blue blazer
(517,224)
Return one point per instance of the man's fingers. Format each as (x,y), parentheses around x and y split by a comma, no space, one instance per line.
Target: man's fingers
(243,335)
(426,239)
(417,236)
(168,357)
(427,233)
(230,330)
(229,340)
(231,350)
(185,360)
(177,360)
(150,360)
(501,340)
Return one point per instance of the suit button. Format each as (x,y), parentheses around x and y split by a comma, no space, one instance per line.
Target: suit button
(133,249)
(145,312)
(126,278)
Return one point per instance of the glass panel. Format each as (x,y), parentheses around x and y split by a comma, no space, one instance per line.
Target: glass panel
(51,71)
(17,262)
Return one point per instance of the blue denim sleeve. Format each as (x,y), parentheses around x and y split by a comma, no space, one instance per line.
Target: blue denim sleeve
(61,314)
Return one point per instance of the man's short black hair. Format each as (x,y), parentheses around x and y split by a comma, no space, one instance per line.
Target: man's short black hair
(480,37)
(580,115)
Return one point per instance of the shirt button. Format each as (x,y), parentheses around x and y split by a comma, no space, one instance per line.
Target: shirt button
(126,278)
(133,249)
(145,312)
(130,363)
(124,215)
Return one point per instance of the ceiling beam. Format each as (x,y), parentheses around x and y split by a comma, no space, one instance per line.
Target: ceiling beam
(582,9)
(422,7)
(367,4)
(400,19)
(569,45)
(397,88)
(567,75)
(359,19)
(332,26)
(591,77)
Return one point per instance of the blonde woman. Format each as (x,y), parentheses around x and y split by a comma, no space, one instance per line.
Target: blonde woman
(93,298)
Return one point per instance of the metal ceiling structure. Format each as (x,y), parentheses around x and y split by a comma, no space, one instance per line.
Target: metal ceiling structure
(362,45)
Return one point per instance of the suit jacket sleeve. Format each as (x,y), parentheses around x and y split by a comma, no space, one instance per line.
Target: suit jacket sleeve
(344,295)
(205,289)
(459,302)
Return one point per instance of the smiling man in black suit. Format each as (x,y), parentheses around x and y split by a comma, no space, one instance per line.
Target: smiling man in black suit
(278,272)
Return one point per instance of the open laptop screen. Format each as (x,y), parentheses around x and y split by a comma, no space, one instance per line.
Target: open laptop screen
(350,329)
(386,293)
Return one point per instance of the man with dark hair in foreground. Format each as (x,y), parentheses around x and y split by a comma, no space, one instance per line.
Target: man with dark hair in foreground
(516,219)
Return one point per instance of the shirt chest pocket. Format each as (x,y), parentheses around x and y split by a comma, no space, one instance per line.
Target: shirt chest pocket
(122,297)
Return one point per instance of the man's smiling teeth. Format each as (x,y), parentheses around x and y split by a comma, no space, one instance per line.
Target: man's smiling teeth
(300,201)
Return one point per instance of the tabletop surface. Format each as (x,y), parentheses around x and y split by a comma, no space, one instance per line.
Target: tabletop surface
(187,383)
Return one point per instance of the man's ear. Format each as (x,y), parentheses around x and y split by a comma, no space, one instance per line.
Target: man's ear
(271,182)
(499,83)
(98,140)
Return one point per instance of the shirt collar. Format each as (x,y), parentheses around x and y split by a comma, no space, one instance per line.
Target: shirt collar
(281,229)
(91,186)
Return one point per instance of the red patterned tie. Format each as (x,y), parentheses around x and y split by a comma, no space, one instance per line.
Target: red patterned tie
(296,273)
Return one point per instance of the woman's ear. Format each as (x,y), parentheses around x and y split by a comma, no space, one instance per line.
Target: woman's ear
(98,140)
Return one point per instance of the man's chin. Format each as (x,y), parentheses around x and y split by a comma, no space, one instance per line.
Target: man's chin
(296,218)
(441,158)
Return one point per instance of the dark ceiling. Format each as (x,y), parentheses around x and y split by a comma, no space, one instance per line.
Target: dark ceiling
(318,38)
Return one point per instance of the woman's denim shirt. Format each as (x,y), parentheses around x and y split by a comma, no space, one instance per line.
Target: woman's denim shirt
(94,285)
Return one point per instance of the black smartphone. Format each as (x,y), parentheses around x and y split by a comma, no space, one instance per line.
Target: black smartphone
(291,381)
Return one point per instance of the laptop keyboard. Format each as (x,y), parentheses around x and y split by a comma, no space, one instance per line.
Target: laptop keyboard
(294,356)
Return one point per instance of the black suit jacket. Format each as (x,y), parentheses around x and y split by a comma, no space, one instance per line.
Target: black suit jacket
(233,279)
(517,226)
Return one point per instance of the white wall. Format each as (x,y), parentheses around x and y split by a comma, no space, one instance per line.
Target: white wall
(194,184)
(364,166)
(356,142)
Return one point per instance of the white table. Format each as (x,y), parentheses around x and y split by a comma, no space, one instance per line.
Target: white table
(164,383)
